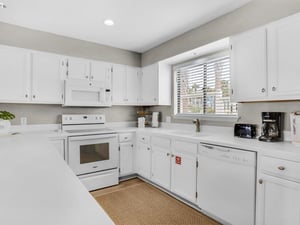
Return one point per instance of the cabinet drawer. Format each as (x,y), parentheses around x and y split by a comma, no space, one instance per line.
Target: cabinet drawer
(280,167)
(144,138)
(184,146)
(161,142)
(125,137)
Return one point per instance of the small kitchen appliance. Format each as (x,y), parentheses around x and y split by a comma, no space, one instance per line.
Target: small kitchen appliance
(295,127)
(271,130)
(245,130)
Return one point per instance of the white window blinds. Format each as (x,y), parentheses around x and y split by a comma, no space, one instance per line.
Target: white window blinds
(204,88)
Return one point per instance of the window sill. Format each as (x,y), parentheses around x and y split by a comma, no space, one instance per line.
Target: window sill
(207,117)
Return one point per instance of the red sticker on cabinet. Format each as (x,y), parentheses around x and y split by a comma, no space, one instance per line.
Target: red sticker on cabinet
(178,160)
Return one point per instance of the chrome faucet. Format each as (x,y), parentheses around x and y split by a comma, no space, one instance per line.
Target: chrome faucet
(197,123)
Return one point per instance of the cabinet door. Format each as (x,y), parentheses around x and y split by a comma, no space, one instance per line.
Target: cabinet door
(119,84)
(161,167)
(149,85)
(47,78)
(78,68)
(101,71)
(126,158)
(132,85)
(278,201)
(143,160)
(14,74)
(249,66)
(59,144)
(283,58)
(183,179)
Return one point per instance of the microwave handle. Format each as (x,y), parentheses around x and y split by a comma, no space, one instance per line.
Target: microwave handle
(92,137)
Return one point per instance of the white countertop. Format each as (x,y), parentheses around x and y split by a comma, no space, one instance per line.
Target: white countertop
(37,186)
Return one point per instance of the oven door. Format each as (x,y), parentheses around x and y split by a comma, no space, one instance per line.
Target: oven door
(92,153)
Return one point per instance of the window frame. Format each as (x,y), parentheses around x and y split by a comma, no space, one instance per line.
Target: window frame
(195,61)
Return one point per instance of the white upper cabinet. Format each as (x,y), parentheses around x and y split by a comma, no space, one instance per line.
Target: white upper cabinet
(149,85)
(78,68)
(283,58)
(156,85)
(101,71)
(126,83)
(48,73)
(14,74)
(265,62)
(249,66)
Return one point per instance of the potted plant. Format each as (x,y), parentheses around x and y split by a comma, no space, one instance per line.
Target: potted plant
(5,118)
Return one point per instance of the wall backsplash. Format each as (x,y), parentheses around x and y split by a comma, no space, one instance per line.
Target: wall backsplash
(248,113)
(50,114)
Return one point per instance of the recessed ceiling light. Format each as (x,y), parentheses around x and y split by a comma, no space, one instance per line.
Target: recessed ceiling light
(109,22)
(2,5)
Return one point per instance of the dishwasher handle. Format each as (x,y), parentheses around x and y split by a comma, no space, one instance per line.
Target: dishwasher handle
(212,147)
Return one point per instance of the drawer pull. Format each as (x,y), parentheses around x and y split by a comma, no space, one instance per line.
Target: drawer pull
(260,181)
(168,154)
(281,167)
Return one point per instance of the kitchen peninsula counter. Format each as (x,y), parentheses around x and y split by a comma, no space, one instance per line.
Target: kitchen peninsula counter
(37,186)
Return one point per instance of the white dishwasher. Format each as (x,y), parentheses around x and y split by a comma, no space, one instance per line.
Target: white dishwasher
(226,183)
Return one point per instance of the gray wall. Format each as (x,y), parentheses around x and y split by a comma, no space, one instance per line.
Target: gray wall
(50,114)
(254,14)
(42,41)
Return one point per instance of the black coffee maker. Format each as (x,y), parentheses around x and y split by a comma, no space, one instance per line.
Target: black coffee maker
(271,130)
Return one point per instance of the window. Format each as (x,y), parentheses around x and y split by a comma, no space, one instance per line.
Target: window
(203,87)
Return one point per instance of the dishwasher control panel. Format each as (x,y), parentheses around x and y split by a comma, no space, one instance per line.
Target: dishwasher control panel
(233,155)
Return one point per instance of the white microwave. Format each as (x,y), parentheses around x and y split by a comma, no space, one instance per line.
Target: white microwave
(86,93)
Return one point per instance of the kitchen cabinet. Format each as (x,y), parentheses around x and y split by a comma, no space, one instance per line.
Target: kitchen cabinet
(184,169)
(14,74)
(143,156)
(278,192)
(156,85)
(101,71)
(249,66)
(264,62)
(283,58)
(78,68)
(59,144)
(126,149)
(126,85)
(31,76)
(48,73)
(161,161)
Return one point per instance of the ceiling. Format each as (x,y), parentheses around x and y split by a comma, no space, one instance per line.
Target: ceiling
(139,24)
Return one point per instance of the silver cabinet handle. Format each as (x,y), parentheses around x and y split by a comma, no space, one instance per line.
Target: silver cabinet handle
(26,96)
(172,155)
(273,88)
(33,96)
(263,90)
(168,154)
(281,167)
(260,181)
(148,148)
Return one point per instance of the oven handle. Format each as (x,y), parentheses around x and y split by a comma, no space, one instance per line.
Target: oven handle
(89,137)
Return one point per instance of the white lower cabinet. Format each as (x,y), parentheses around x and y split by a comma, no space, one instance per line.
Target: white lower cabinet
(59,144)
(161,161)
(183,179)
(278,192)
(143,156)
(126,149)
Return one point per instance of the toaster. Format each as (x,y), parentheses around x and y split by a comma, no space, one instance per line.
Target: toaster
(245,130)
